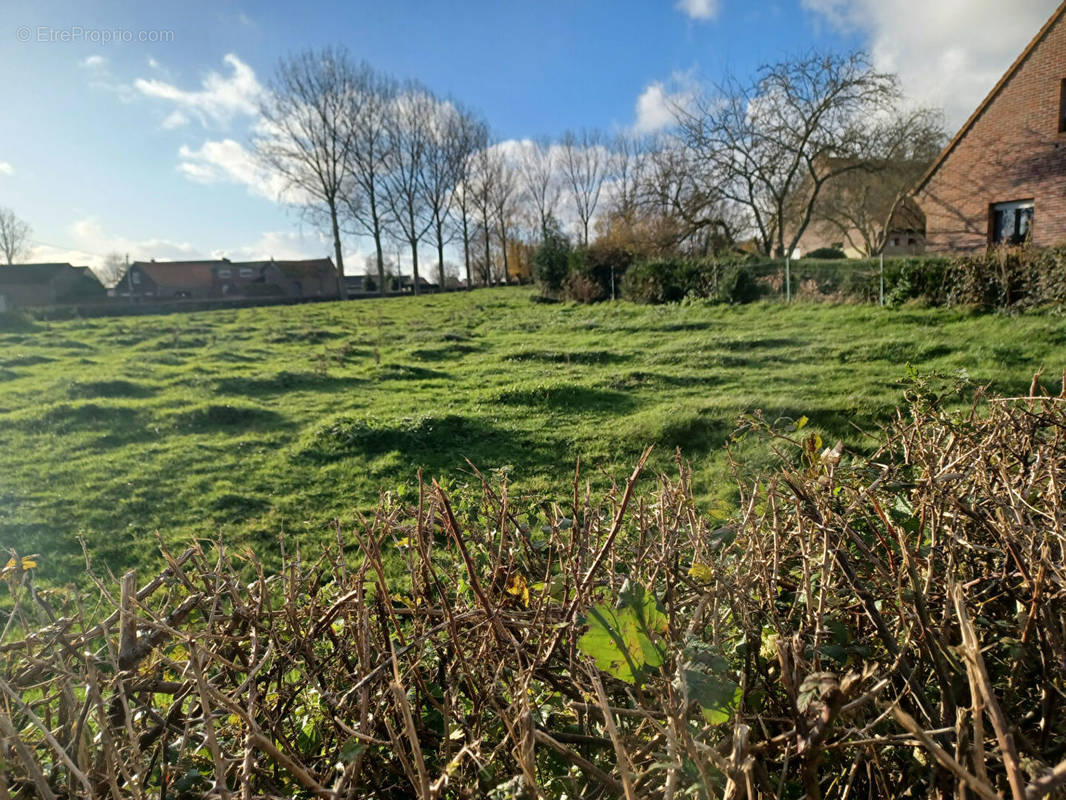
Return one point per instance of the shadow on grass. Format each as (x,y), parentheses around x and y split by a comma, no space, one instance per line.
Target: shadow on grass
(25,360)
(404,372)
(568,356)
(285,382)
(221,417)
(447,353)
(66,418)
(87,390)
(436,444)
(565,396)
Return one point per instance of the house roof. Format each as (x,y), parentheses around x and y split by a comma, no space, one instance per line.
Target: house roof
(31,274)
(87,274)
(1010,73)
(179,273)
(307,268)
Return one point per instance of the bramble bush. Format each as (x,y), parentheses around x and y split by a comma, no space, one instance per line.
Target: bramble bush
(870,626)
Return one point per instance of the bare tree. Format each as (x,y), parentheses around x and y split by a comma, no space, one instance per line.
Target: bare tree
(14,236)
(505,195)
(864,206)
(306,137)
(370,159)
(409,144)
(475,137)
(481,182)
(629,158)
(447,151)
(771,145)
(111,271)
(540,181)
(584,166)
(679,189)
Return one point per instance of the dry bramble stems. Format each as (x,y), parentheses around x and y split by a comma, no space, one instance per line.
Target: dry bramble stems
(862,626)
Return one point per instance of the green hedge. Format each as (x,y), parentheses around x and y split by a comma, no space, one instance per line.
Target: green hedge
(1005,278)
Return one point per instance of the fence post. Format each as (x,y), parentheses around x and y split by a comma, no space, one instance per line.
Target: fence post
(882,294)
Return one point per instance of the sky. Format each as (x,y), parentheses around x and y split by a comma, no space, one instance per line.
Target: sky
(125,126)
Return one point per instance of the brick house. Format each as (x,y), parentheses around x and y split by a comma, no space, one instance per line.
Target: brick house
(169,280)
(222,278)
(28,285)
(1002,179)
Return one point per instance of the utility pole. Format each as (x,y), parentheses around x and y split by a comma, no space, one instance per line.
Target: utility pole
(882,292)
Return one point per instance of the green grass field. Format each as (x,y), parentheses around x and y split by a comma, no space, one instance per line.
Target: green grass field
(255,422)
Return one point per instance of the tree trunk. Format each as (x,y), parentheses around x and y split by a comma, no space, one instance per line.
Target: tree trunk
(377,241)
(381,262)
(488,252)
(503,246)
(414,264)
(342,292)
(440,254)
(466,253)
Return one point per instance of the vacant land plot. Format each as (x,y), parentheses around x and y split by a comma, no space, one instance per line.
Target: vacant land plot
(258,422)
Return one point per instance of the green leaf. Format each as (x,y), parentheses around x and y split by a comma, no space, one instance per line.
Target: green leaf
(620,639)
(717,694)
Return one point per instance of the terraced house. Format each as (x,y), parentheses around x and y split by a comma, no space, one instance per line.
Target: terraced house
(1002,179)
(222,278)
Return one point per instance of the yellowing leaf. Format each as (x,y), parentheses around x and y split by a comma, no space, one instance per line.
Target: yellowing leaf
(701,573)
(801,423)
(517,586)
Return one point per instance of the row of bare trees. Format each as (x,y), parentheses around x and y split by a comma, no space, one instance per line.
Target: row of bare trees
(821,139)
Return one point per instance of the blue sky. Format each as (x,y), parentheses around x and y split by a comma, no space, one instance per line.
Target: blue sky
(137,146)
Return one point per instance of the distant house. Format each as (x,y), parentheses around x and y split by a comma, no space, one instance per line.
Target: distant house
(316,277)
(356,284)
(905,235)
(222,278)
(170,280)
(1002,179)
(29,285)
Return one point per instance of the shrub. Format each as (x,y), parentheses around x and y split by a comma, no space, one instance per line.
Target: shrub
(904,610)
(551,260)
(827,253)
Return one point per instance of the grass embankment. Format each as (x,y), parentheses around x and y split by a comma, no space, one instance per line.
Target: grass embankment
(254,422)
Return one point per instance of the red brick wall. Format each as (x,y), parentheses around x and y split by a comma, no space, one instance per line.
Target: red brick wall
(1013,151)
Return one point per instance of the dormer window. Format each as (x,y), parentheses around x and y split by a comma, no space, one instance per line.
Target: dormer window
(224,273)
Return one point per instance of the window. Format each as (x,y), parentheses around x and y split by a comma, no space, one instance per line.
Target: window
(223,273)
(1011,223)
(135,277)
(1062,106)
(246,272)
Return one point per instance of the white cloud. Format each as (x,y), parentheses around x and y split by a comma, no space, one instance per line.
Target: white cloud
(94,62)
(220,97)
(6,168)
(175,119)
(90,244)
(699,9)
(948,53)
(658,104)
(228,161)
(279,245)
